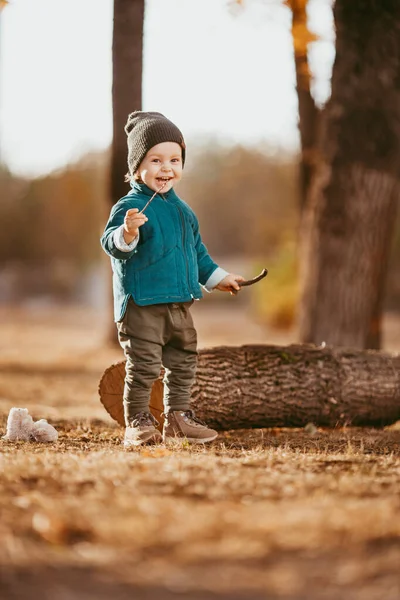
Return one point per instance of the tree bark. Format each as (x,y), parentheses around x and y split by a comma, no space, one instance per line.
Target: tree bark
(353,199)
(273,386)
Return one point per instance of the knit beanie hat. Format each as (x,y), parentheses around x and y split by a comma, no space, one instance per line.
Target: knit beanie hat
(145,130)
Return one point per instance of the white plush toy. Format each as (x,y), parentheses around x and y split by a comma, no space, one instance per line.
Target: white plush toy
(44,432)
(20,426)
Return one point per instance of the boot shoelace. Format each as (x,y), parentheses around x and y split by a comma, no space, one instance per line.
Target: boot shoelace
(189,414)
(144,418)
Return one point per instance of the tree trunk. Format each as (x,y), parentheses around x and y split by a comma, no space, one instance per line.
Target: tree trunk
(274,386)
(127,53)
(308,111)
(353,200)
(127,60)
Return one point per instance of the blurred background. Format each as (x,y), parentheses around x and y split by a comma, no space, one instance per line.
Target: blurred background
(228,74)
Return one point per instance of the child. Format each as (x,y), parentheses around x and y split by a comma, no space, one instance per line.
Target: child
(158,260)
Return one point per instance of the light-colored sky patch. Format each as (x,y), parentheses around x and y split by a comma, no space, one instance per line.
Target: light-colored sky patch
(213,71)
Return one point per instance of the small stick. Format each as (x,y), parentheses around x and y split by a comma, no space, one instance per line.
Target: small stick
(151,199)
(263,274)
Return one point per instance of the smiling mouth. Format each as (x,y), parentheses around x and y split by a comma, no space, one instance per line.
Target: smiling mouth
(164,179)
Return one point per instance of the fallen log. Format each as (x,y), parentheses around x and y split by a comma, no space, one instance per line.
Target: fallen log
(281,386)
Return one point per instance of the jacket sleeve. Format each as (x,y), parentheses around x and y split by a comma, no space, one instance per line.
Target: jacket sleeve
(204,261)
(120,243)
(115,221)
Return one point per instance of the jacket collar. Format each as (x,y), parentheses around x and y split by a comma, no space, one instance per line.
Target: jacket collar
(143,189)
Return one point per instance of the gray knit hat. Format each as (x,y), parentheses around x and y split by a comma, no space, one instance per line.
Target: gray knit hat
(145,130)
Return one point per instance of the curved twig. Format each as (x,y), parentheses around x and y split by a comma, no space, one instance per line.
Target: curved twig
(263,274)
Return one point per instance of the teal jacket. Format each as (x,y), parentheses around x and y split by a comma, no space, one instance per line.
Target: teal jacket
(170,260)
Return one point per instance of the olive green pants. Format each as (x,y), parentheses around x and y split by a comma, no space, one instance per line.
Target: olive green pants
(155,336)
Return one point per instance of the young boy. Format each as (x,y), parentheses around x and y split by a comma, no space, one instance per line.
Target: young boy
(158,261)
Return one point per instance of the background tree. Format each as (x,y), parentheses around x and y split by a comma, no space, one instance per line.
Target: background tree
(352,205)
(308,112)
(127,60)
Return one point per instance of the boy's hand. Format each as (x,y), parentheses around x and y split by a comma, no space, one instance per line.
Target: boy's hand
(132,221)
(230,284)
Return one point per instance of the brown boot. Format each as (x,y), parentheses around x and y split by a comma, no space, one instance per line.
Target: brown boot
(142,430)
(183,425)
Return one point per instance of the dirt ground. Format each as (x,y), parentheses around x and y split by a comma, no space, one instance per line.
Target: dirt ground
(260,514)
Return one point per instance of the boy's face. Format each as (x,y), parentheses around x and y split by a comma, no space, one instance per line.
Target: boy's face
(162,165)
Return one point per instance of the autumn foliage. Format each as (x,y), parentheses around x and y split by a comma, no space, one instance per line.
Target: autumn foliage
(246,199)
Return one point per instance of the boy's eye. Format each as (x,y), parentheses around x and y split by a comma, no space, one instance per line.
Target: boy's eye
(155,160)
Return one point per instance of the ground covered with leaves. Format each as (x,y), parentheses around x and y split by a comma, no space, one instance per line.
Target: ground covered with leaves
(283,514)
(270,512)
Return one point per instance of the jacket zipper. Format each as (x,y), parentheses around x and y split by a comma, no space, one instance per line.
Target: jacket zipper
(184,251)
